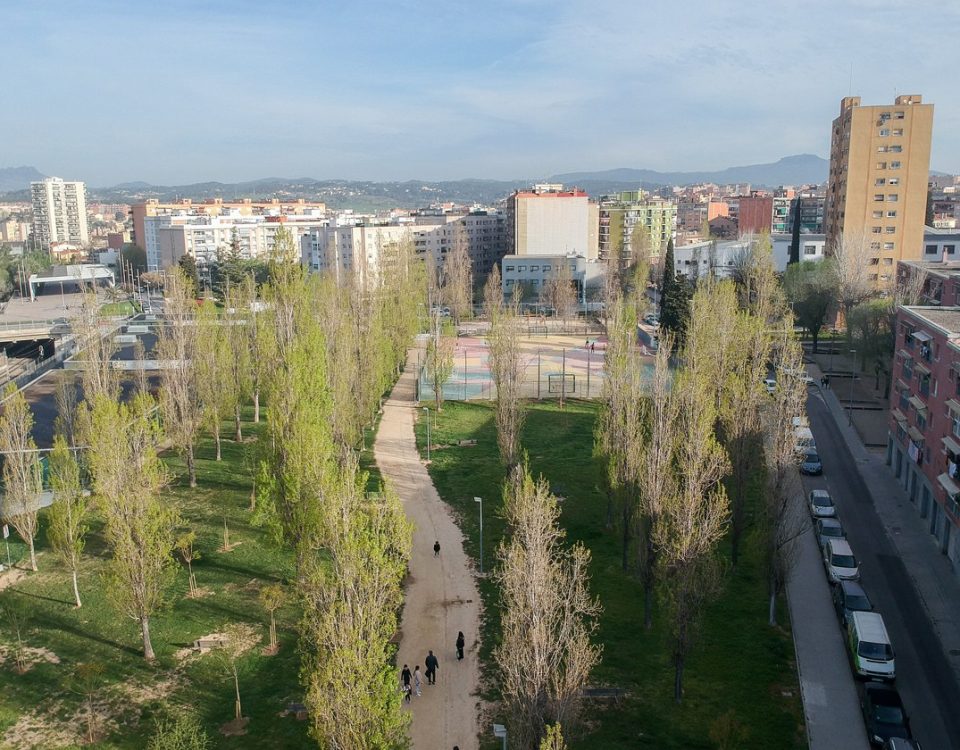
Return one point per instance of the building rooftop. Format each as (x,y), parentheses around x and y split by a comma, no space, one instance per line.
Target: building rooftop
(945,319)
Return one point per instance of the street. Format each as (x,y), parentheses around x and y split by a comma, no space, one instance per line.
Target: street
(924,678)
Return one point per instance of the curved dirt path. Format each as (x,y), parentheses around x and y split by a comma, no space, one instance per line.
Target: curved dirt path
(441,597)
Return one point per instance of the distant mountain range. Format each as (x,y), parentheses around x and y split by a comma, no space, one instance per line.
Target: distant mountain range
(18,178)
(801,169)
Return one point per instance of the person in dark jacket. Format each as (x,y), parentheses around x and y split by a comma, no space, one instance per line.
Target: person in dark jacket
(432,664)
(460,644)
(436,549)
(405,675)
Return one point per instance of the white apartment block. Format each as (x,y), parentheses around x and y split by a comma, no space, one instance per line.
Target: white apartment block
(359,249)
(534,272)
(168,237)
(548,220)
(59,213)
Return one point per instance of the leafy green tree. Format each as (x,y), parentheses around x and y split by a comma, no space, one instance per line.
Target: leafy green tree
(22,479)
(188,265)
(870,331)
(134,256)
(928,214)
(811,290)
(795,235)
(675,307)
(181,730)
(67,514)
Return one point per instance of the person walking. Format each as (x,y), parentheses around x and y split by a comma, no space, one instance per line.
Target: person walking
(417,680)
(432,665)
(405,679)
(460,644)
(436,548)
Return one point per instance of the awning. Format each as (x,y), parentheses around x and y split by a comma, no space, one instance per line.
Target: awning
(899,415)
(915,434)
(953,405)
(949,485)
(905,354)
(917,404)
(922,336)
(951,445)
(921,368)
(901,385)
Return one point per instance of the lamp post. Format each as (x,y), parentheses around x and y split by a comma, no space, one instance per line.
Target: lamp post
(852,376)
(480,500)
(427,410)
(499,730)
(833,344)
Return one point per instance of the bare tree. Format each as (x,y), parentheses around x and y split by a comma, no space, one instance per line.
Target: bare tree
(506,370)
(493,293)
(238,639)
(458,272)
(559,291)
(177,347)
(67,398)
(851,255)
(440,353)
(128,477)
(237,365)
(783,519)
(97,348)
(188,553)
(254,333)
(548,616)
(67,514)
(22,474)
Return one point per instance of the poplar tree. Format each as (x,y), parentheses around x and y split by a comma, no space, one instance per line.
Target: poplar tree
(237,367)
(458,272)
(140,526)
(215,387)
(67,514)
(22,476)
(96,349)
(506,370)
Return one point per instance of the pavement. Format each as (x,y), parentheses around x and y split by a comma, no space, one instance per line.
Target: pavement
(441,597)
(910,582)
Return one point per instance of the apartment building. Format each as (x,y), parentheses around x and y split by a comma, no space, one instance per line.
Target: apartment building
(620,216)
(810,205)
(755,214)
(879,167)
(59,213)
(549,220)
(923,442)
(355,248)
(533,273)
(780,218)
(140,212)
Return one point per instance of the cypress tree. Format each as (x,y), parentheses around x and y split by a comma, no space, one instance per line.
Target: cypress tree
(675,308)
(795,239)
(668,281)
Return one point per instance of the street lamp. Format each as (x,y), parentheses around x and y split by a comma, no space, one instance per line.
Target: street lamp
(852,376)
(499,730)
(480,500)
(427,410)
(833,344)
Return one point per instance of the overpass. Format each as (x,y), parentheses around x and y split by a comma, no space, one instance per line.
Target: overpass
(33,330)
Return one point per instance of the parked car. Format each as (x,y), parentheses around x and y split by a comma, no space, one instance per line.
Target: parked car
(811,464)
(849,597)
(840,562)
(821,504)
(805,441)
(652,320)
(827,529)
(770,384)
(883,713)
(901,743)
(871,652)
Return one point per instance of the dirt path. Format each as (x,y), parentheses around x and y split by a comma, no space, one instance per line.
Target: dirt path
(441,597)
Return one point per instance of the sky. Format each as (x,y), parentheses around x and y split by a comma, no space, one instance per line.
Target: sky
(174,92)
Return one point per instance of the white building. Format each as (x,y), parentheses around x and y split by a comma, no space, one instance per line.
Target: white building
(534,272)
(720,257)
(548,220)
(59,212)
(941,244)
(812,247)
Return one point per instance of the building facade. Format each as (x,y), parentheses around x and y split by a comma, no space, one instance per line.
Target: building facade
(755,214)
(620,216)
(923,442)
(879,168)
(59,213)
(548,220)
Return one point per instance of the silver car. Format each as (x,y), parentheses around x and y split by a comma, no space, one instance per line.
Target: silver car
(821,504)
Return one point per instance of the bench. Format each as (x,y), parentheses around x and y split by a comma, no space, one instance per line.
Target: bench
(466,443)
(605,693)
(208,644)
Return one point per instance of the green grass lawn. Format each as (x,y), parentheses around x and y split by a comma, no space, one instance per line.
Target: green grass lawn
(135,690)
(739,664)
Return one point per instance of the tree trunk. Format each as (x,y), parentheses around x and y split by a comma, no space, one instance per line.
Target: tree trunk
(625,520)
(678,678)
(76,590)
(648,602)
(238,435)
(216,439)
(253,496)
(816,338)
(236,685)
(145,632)
(33,556)
(226,535)
(256,406)
(273,629)
(191,466)
(772,621)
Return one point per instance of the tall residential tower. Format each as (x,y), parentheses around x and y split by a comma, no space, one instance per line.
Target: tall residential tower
(59,213)
(879,169)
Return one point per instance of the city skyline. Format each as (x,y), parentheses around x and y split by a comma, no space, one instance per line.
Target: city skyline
(442,92)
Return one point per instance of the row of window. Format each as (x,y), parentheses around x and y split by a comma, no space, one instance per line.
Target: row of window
(885,165)
(890,214)
(887,181)
(544,267)
(935,249)
(887,246)
(885,132)
(880,230)
(890,198)
(889,149)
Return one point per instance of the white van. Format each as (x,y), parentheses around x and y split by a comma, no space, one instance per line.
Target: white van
(805,441)
(870,648)
(840,562)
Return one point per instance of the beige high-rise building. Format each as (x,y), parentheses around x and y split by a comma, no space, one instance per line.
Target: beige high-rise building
(59,213)
(879,169)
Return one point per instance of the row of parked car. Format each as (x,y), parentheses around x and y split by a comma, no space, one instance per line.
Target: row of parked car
(868,643)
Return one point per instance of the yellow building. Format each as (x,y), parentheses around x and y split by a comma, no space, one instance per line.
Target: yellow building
(879,169)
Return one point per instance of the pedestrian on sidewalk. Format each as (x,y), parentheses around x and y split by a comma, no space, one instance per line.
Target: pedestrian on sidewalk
(826,379)
(436,548)
(460,644)
(417,680)
(405,676)
(432,665)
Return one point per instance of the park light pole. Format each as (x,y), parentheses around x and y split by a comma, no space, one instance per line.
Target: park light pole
(833,344)
(500,731)
(853,364)
(427,410)
(480,500)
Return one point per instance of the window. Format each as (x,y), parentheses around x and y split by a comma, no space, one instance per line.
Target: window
(521,268)
(891,214)
(874,261)
(898,132)
(880,181)
(884,132)
(878,214)
(873,277)
(534,268)
(881,165)
(888,261)
(809,249)
(898,115)
(881,149)
(950,249)
(892,197)
(888,246)
(509,268)
(894,165)
(874,245)
(890,230)
(896,149)
(546,266)
(893,181)
(930,250)
(878,197)
(877,230)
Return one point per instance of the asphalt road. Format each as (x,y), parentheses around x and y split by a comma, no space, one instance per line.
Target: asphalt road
(925,681)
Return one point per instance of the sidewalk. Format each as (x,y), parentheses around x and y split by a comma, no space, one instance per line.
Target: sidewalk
(441,597)
(933,577)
